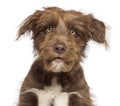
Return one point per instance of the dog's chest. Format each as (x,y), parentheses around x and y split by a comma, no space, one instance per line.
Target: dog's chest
(53,90)
(51,95)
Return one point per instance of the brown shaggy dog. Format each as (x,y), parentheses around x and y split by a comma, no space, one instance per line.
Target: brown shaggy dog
(60,38)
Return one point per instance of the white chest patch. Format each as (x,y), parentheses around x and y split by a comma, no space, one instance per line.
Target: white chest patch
(51,94)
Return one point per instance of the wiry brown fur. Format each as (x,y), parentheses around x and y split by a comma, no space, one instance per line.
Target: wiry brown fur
(72,30)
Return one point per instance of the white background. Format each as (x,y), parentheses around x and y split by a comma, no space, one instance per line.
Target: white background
(102,67)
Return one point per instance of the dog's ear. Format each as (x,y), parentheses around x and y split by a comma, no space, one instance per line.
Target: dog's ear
(96,30)
(29,24)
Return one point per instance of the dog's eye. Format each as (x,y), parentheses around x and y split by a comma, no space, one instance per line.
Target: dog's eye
(72,32)
(49,29)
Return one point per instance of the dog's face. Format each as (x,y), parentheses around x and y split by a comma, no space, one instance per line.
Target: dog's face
(60,37)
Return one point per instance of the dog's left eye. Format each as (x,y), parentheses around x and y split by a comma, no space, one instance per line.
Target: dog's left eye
(72,32)
(49,29)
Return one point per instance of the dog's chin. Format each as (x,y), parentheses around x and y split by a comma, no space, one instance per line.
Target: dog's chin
(57,65)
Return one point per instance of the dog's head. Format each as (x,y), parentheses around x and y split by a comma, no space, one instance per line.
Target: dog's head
(60,37)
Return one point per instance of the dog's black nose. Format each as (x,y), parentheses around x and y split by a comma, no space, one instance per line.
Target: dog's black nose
(59,48)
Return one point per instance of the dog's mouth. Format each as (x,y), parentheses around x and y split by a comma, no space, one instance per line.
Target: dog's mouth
(58,59)
(58,63)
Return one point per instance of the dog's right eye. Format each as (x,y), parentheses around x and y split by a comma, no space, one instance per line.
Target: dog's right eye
(49,29)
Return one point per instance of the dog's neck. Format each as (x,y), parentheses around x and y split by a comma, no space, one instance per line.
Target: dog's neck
(63,78)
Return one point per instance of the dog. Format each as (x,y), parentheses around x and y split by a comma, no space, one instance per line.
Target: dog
(60,38)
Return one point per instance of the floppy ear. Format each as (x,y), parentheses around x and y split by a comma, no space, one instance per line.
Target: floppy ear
(29,24)
(97,30)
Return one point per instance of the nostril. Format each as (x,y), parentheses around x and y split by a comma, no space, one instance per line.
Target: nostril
(62,49)
(59,48)
(56,48)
